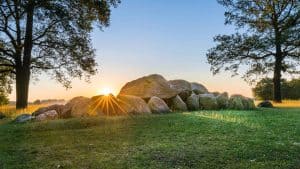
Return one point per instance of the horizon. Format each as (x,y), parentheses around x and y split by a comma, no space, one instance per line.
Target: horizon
(147,37)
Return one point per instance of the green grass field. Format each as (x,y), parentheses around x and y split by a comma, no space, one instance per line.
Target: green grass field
(264,138)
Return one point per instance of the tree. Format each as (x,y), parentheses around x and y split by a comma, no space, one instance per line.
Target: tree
(270,42)
(290,89)
(51,36)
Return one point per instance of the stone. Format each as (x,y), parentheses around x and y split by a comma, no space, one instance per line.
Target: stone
(24,118)
(103,105)
(248,103)
(183,88)
(149,86)
(77,107)
(236,102)
(2,115)
(133,104)
(57,107)
(158,105)
(177,104)
(266,104)
(48,115)
(192,102)
(240,102)
(198,88)
(208,102)
(223,100)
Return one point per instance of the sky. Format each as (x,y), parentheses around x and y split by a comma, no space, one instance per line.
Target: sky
(170,38)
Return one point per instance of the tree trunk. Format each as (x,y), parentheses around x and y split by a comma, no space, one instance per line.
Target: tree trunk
(23,66)
(22,85)
(277,81)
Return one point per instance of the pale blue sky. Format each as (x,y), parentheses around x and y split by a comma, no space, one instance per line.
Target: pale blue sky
(153,36)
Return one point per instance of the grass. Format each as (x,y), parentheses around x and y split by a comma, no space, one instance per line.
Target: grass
(263,138)
(11,112)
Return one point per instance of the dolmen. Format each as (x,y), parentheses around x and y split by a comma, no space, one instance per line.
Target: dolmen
(151,94)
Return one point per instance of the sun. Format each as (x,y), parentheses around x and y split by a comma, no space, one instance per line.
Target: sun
(105,91)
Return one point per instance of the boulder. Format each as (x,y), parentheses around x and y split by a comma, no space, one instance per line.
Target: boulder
(2,115)
(183,88)
(24,118)
(248,103)
(106,106)
(266,104)
(48,115)
(236,102)
(222,100)
(133,104)
(240,102)
(158,105)
(198,88)
(177,104)
(149,86)
(76,107)
(208,102)
(57,107)
(192,102)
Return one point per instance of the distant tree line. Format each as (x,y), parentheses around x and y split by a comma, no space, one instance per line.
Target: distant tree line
(264,89)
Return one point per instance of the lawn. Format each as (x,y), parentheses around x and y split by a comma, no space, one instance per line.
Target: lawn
(263,138)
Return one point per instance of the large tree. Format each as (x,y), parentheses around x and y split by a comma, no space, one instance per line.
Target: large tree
(51,36)
(268,40)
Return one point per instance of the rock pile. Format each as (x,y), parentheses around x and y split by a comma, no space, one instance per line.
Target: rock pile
(146,95)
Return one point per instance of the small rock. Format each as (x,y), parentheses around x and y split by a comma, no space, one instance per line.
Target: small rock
(24,118)
(49,115)
(266,104)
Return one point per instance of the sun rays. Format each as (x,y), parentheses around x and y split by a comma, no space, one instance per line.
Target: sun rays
(107,105)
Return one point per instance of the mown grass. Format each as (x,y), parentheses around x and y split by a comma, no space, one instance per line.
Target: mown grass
(263,138)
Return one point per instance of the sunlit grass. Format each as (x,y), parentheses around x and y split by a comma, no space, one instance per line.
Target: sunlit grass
(10,110)
(285,103)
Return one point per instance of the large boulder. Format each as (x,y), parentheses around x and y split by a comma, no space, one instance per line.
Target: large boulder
(149,86)
(192,102)
(57,107)
(2,115)
(236,102)
(106,106)
(223,100)
(183,88)
(77,107)
(266,104)
(177,104)
(24,118)
(133,104)
(48,115)
(248,103)
(158,105)
(198,88)
(240,102)
(208,102)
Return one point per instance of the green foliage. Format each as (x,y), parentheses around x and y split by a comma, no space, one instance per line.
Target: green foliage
(264,89)
(5,88)
(271,33)
(261,139)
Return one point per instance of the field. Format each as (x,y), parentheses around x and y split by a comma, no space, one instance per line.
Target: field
(263,138)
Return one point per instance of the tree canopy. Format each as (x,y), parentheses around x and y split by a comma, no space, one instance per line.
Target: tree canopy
(49,36)
(268,40)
